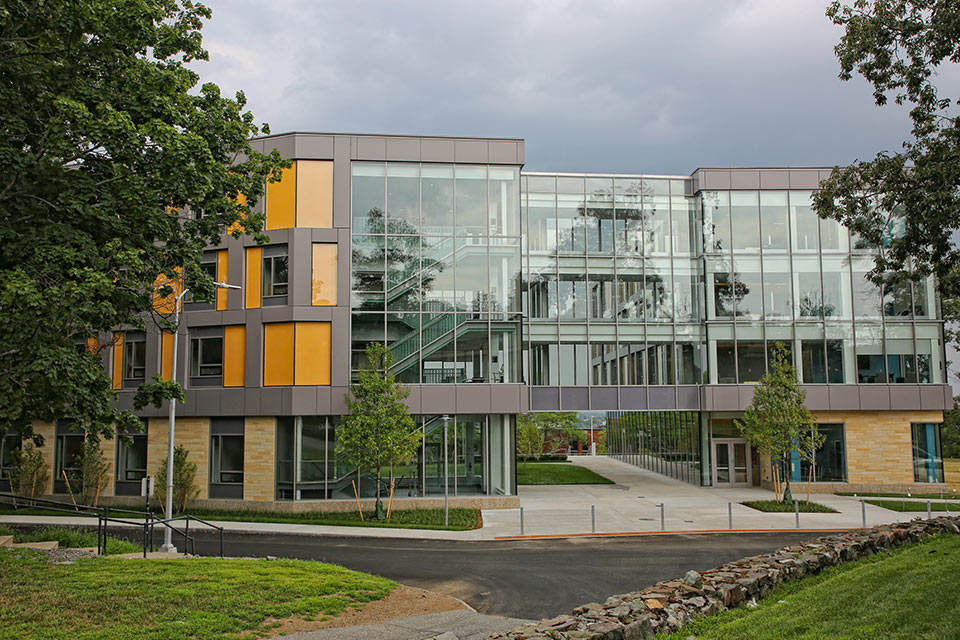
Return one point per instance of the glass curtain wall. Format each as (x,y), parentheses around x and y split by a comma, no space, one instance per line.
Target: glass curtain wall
(479,459)
(666,442)
(613,281)
(776,273)
(436,270)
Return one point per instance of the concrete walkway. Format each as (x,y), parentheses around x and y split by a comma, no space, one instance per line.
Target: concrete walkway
(629,506)
(449,625)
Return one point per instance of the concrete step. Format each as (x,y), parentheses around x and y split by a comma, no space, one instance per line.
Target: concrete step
(44,546)
(6,541)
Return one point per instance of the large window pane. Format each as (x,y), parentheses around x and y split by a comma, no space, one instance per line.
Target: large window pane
(436,199)
(403,198)
(471,195)
(774,220)
(927,459)
(369,197)
(745,220)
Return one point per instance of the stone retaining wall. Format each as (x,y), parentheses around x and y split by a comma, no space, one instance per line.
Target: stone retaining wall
(669,605)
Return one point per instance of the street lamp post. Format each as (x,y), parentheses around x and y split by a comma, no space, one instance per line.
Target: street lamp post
(446,475)
(177,305)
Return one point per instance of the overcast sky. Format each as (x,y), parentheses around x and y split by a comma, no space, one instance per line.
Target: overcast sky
(637,86)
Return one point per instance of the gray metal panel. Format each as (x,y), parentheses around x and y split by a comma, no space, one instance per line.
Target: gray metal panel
(189,406)
(251,402)
(804,179)
(574,398)
(303,401)
(270,315)
(324,235)
(746,395)
(285,144)
(343,269)
(313,147)
(236,316)
(521,152)
(323,401)
(931,397)
(505,398)
(726,398)
(301,267)
(688,398)
(152,362)
(341,182)
(286,401)
(818,396)
(745,179)
(232,402)
(633,398)
(438,399)
(874,397)
(604,399)
(777,179)
(473,398)
(715,179)
(471,151)
(254,349)
(825,174)
(371,148)
(905,397)
(844,397)
(662,398)
(544,398)
(437,150)
(706,398)
(338,406)
(125,400)
(311,314)
(502,152)
(271,401)
(413,400)
(524,400)
(340,346)
(403,149)
(207,402)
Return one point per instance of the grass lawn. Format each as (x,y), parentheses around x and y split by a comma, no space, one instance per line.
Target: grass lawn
(907,593)
(106,598)
(932,496)
(787,507)
(557,473)
(918,506)
(460,519)
(73,538)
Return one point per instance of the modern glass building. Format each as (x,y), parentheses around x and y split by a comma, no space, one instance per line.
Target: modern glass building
(655,300)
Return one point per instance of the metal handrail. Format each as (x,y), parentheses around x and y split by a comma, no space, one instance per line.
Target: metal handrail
(186,533)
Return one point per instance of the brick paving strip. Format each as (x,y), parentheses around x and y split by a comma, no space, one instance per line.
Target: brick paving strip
(669,605)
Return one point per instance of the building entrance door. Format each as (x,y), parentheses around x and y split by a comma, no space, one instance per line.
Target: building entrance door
(731,467)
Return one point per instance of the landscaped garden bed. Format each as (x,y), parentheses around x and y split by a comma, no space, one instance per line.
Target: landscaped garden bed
(531,473)
(772,506)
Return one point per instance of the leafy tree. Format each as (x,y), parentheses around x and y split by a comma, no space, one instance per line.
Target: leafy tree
(30,473)
(379,431)
(116,170)
(529,437)
(908,203)
(558,428)
(950,431)
(184,481)
(91,475)
(777,421)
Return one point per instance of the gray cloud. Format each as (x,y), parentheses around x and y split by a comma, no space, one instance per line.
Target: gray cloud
(629,87)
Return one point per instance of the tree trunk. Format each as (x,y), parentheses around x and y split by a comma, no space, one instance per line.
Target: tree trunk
(787,471)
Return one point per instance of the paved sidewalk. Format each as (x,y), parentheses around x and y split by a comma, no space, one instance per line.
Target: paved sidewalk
(629,506)
(449,625)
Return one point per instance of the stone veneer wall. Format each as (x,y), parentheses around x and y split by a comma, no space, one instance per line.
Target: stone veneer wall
(951,471)
(194,434)
(259,458)
(669,605)
(48,432)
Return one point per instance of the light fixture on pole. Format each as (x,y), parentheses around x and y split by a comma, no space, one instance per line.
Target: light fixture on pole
(446,475)
(177,304)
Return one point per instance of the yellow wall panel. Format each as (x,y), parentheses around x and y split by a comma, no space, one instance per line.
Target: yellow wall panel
(222,264)
(166,355)
(234,355)
(312,359)
(315,194)
(324,275)
(254,264)
(278,354)
(282,200)
(118,361)
(165,304)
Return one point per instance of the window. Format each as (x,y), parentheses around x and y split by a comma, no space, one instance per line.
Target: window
(274,273)
(226,458)
(206,356)
(131,463)
(134,358)
(927,460)
(830,459)
(8,444)
(68,448)
(208,265)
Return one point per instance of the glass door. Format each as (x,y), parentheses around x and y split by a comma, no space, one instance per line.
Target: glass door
(732,463)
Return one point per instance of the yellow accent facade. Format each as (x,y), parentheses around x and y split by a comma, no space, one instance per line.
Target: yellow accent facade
(166,355)
(324,282)
(278,349)
(118,360)
(222,265)
(312,353)
(254,267)
(282,200)
(234,355)
(314,194)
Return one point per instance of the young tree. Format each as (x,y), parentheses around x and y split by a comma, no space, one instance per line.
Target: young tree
(91,475)
(184,481)
(30,473)
(906,204)
(529,437)
(116,170)
(777,421)
(379,431)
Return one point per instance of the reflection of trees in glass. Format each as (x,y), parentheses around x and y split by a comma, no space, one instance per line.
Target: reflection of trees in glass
(726,293)
(811,305)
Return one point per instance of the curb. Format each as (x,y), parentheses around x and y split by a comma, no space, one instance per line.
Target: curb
(556,536)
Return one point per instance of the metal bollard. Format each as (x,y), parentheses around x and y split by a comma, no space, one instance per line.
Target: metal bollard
(521,520)
(928,510)
(863,513)
(593,518)
(730,515)
(796,512)
(663,525)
